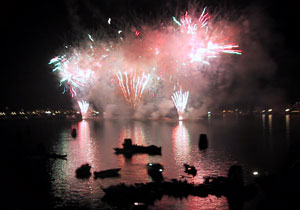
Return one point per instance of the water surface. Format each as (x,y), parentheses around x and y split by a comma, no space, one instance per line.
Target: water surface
(258,143)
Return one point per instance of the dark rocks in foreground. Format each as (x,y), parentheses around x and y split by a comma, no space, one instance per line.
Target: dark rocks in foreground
(280,190)
(189,169)
(126,195)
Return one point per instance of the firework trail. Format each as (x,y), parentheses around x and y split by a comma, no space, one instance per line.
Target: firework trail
(83,105)
(180,100)
(132,87)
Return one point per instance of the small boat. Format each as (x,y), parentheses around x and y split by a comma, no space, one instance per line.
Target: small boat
(57,156)
(83,171)
(74,133)
(190,169)
(155,171)
(130,149)
(107,173)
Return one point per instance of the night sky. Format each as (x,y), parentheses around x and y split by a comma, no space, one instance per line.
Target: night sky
(33,33)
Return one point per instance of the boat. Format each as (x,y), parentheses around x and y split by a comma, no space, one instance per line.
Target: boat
(57,156)
(41,153)
(130,149)
(83,171)
(155,171)
(190,169)
(107,173)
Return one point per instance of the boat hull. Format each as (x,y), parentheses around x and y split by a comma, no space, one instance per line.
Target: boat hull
(135,149)
(107,173)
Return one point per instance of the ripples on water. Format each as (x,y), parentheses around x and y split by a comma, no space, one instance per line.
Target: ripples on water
(258,143)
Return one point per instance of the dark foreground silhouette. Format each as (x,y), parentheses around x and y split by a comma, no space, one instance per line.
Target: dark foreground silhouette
(232,187)
(190,169)
(277,191)
(155,171)
(84,171)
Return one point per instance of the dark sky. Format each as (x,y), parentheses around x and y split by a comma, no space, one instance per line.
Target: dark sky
(32,33)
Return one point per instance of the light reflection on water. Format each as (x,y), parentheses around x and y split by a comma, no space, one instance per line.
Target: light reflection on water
(287,126)
(231,141)
(193,202)
(270,122)
(181,144)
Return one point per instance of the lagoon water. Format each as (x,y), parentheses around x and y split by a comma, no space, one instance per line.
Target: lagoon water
(262,143)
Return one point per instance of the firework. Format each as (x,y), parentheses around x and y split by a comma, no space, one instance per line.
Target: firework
(202,52)
(57,62)
(189,26)
(132,87)
(200,44)
(83,105)
(165,52)
(180,100)
(74,70)
(74,81)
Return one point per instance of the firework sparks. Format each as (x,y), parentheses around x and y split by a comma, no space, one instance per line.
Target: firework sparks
(187,24)
(83,105)
(90,37)
(198,39)
(201,51)
(180,100)
(74,70)
(76,81)
(57,62)
(132,87)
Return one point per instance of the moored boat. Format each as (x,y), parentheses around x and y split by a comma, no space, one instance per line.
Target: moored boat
(107,173)
(57,156)
(130,149)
